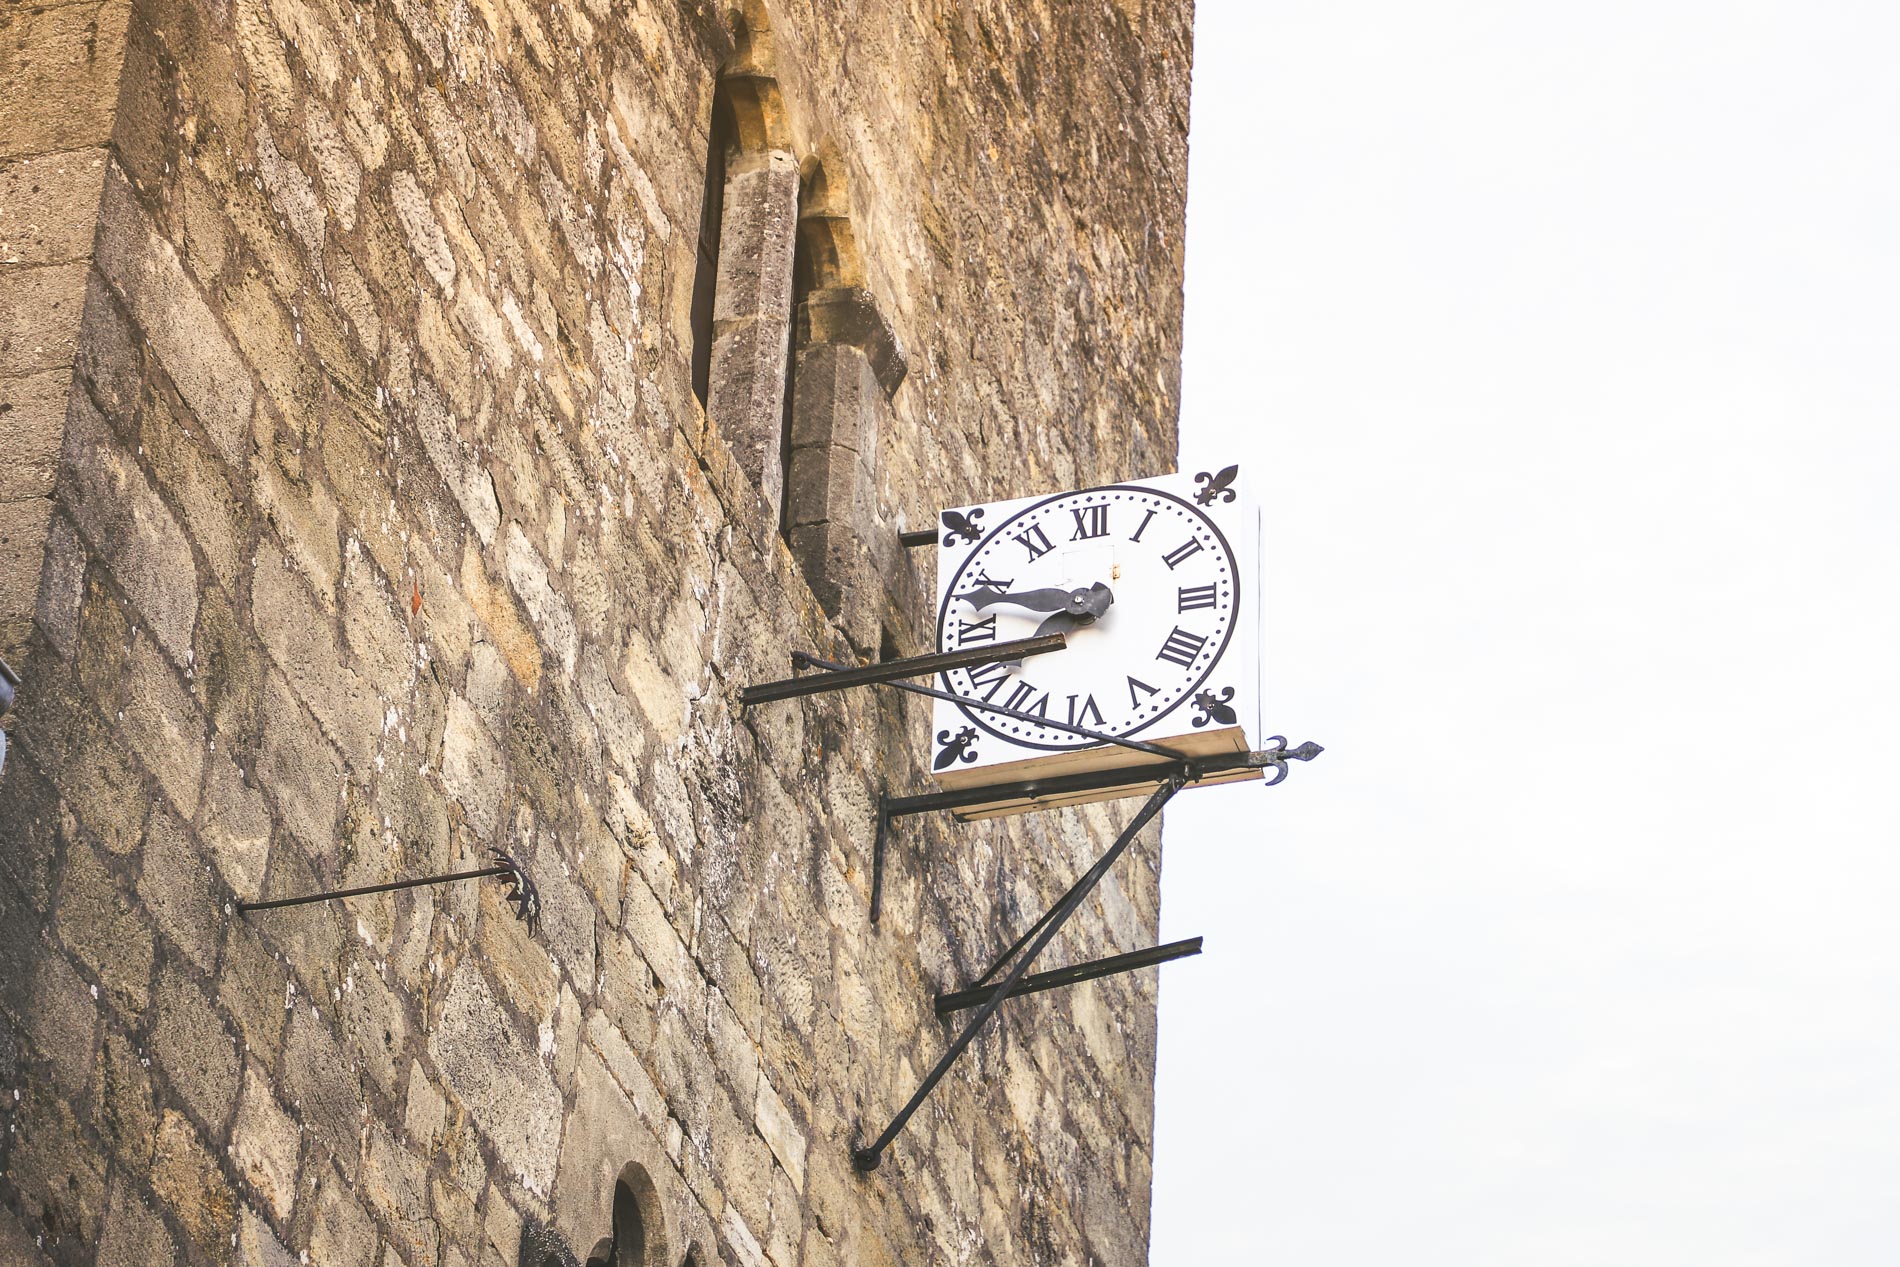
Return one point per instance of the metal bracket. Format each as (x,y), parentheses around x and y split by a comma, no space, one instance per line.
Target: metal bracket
(1074,974)
(521,891)
(838,677)
(1044,930)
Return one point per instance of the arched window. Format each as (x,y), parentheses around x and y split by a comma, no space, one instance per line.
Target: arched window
(630,1240)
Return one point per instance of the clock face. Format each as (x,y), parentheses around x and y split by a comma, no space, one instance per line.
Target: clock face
(1173,594)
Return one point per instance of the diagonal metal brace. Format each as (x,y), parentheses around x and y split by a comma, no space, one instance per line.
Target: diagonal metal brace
(867,1158)
(1074,974)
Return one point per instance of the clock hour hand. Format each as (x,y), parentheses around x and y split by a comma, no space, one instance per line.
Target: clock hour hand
(1077,606)
(1044,600)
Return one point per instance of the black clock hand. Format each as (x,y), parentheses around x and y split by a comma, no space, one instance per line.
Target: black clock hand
(1046,600)
(1082,606)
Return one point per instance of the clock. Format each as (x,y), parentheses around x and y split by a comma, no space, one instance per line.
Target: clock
(1152,581)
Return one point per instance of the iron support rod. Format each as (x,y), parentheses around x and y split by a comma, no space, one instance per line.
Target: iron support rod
(866,1159)
(877,862)
(842,676)
(1074,974)
(921,537)
(1190,770)
(372,888)
(989,973)
(985,706)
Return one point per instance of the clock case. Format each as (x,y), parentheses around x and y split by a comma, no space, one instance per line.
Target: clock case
(1222,498)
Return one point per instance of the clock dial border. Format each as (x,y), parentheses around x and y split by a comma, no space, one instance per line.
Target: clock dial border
(979,717)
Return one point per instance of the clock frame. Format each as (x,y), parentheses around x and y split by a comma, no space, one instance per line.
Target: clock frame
(1160,576)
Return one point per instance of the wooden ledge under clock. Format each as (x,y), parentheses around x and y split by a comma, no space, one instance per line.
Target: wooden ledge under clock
(1212,743)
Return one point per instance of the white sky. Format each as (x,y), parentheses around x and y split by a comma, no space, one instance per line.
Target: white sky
(1563,345)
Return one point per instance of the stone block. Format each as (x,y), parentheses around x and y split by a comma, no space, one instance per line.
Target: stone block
(59,76)
(177,324)
(49,206)
(253,988)
(198,483)
(227,675)
(258,1246)
(341,1233)
(131,529)
(106,930)
(528,577)
(466,478)
(851,316)
(374,1023)
(134,1235)
(62,581)
(324,1093)
(19,1246)
(425,1112)
(58,1181)
(39,316)
(497,1075)
(196,1053)
(300,771)
(757,237)
(781,1133)
(128,1119)
(747,400)
(30,829)
(162,724)
(473,773)
(61,1020)
(235,828)
(33,413)
(186,1178)
(395,1182)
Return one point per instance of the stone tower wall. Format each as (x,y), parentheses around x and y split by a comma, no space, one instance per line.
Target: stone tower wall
(372,521)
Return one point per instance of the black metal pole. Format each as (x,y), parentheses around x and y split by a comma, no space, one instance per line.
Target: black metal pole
(1074,974)
(921,537)
(372,888)
(877,862)
(842,676)
(866,1159)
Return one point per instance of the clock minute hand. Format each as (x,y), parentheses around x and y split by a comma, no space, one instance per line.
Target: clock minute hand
(1075,609)
(1044,600)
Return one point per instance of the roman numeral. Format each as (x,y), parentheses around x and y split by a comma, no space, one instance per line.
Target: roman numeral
(1090,521)
(1195,597)
(1136,684)
(983,580)
(990,675)
(1018,700)
(983,630)
(1144,526)
(1087,711)
(1182,553)
(1034,540)
(1181,647)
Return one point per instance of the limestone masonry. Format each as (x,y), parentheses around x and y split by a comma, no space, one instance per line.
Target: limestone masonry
(418,420)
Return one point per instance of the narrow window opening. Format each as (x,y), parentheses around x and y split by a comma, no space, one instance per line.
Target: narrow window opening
(802,284)
(712,207)
(627,1247)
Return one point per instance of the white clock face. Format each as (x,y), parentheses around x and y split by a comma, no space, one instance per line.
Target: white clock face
(1173,593)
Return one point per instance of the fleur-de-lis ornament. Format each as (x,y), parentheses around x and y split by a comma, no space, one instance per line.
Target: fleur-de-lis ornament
(961,527)
(1217,486)
(1214,708)
(955,749)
